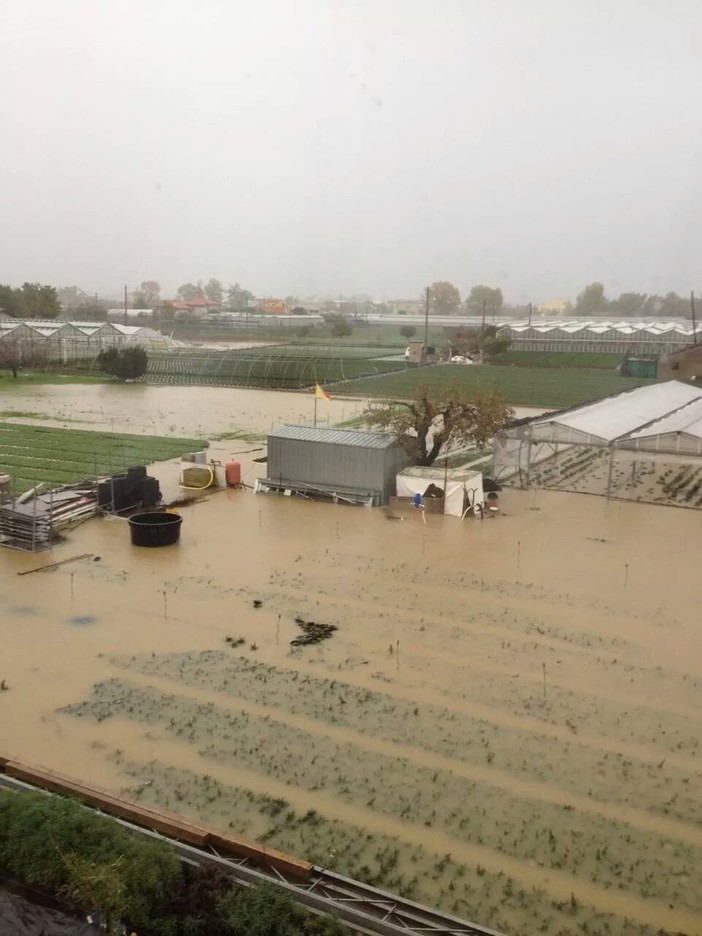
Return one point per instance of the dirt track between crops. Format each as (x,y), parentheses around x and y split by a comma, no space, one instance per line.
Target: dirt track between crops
(506,722)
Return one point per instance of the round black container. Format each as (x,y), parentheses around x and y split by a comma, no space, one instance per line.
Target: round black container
(155,529)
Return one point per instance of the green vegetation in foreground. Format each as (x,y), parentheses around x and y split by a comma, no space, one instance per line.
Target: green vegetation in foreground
(31,454)
(560,359)
(38,378)
(525,386)
(69,851)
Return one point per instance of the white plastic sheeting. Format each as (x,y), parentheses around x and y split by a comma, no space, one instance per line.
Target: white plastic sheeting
(605,421)
(461,487)
(662,421)
(679,432)
(599,327)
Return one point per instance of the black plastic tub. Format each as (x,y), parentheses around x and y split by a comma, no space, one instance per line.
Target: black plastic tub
(155,529)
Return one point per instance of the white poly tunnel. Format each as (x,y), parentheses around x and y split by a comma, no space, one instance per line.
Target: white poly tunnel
(661,420)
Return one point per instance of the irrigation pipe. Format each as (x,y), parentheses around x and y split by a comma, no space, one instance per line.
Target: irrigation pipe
(54,565)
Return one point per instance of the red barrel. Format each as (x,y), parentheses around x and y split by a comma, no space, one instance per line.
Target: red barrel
(232,472)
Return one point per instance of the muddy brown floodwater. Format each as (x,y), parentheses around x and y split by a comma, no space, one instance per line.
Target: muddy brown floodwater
(506,722)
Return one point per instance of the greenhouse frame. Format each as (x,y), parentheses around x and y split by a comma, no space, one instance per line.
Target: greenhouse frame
(601,336)
(62,341)
(660,422)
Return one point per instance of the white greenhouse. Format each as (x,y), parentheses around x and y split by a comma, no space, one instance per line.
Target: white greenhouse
(643,444)
(601,336)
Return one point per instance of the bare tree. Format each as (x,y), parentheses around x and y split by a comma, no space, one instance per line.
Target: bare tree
(436,418)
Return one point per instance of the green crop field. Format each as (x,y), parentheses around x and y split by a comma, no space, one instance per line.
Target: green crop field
(366,334)
(30,454)
(560,359)
(526,386)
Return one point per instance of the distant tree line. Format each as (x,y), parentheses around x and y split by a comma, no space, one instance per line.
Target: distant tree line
(445,299)
(37,300)
(593,301)
(30,300)
(235,297)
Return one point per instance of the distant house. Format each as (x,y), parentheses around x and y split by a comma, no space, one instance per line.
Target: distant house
(273,307)
(554,307)
(71,297)
(198,307)
(405,306)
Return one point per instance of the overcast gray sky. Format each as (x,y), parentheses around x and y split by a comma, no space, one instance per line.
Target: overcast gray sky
(339,146)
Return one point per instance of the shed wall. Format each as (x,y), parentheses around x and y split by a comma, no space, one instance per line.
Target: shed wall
(346,466)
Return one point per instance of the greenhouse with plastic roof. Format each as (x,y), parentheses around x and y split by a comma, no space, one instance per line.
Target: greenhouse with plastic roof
(643,444)
(36,340)
(603,336)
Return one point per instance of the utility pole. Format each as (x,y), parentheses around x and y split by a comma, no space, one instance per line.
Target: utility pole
(530,313)
(694,320)
(426,328)
(126,320)
(483,327)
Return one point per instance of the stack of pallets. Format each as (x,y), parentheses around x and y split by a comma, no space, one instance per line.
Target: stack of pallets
(29,524)
(25,526)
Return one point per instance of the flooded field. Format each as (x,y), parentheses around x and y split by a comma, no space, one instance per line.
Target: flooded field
(506,722)
(181,410)
(143,408)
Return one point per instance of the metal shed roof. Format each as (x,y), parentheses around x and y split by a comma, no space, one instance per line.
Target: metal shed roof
(353,437)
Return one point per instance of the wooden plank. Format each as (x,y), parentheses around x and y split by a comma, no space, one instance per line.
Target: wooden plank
(53,565)
(229,845)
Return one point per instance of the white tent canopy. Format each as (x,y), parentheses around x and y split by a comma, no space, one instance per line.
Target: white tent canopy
(461,486)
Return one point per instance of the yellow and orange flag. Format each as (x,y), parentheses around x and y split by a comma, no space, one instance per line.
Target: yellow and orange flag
(321,394)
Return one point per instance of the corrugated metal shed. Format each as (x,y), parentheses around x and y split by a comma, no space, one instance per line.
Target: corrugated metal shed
(355,437)
(359,466)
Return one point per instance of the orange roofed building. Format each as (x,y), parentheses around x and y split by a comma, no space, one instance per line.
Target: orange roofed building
(197,308)
(273,307)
